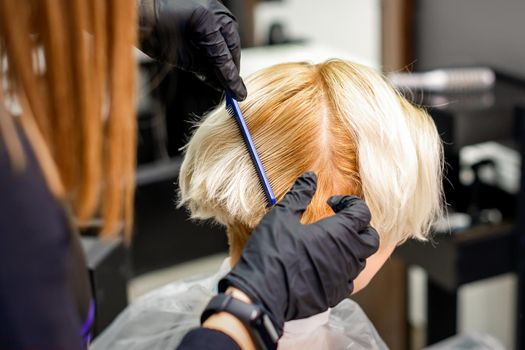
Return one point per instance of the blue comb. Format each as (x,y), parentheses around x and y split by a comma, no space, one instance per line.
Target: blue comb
(232,106)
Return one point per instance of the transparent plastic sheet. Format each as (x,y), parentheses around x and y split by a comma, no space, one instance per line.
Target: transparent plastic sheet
(160,319)
(345,326)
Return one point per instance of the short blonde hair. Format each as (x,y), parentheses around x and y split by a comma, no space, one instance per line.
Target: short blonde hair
(339,119)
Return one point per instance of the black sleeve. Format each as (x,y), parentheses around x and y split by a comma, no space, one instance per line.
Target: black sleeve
(207,339)
(37,310)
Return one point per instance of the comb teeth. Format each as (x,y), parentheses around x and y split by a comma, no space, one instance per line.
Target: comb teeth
(232,107)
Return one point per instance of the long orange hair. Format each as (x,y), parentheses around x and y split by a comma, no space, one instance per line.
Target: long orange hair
(67,77)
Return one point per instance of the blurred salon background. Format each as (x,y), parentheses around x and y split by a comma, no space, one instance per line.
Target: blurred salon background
(467,286)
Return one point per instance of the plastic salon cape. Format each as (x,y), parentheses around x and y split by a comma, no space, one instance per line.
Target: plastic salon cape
(160,319)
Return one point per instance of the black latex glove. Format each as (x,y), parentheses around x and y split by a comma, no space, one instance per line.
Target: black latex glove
(294,270)
(199,36)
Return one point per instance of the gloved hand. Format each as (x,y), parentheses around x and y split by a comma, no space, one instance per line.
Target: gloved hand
(294,270)
(199,36)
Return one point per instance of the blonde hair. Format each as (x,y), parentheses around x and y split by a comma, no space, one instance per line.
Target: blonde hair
(69,66)
(339,119)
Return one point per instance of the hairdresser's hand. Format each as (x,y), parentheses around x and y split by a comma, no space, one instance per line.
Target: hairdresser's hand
(200,36)
(294,270)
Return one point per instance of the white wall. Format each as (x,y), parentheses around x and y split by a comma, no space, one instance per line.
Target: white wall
(487,306)
(349,25)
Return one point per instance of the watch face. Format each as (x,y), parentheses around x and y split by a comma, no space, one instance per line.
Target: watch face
(271,329)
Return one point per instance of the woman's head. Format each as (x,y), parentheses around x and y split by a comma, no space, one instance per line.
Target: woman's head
(338,119)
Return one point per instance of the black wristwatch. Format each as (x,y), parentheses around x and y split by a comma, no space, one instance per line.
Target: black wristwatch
(261,329)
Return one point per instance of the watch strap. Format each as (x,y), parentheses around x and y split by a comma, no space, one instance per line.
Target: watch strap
(252,316)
